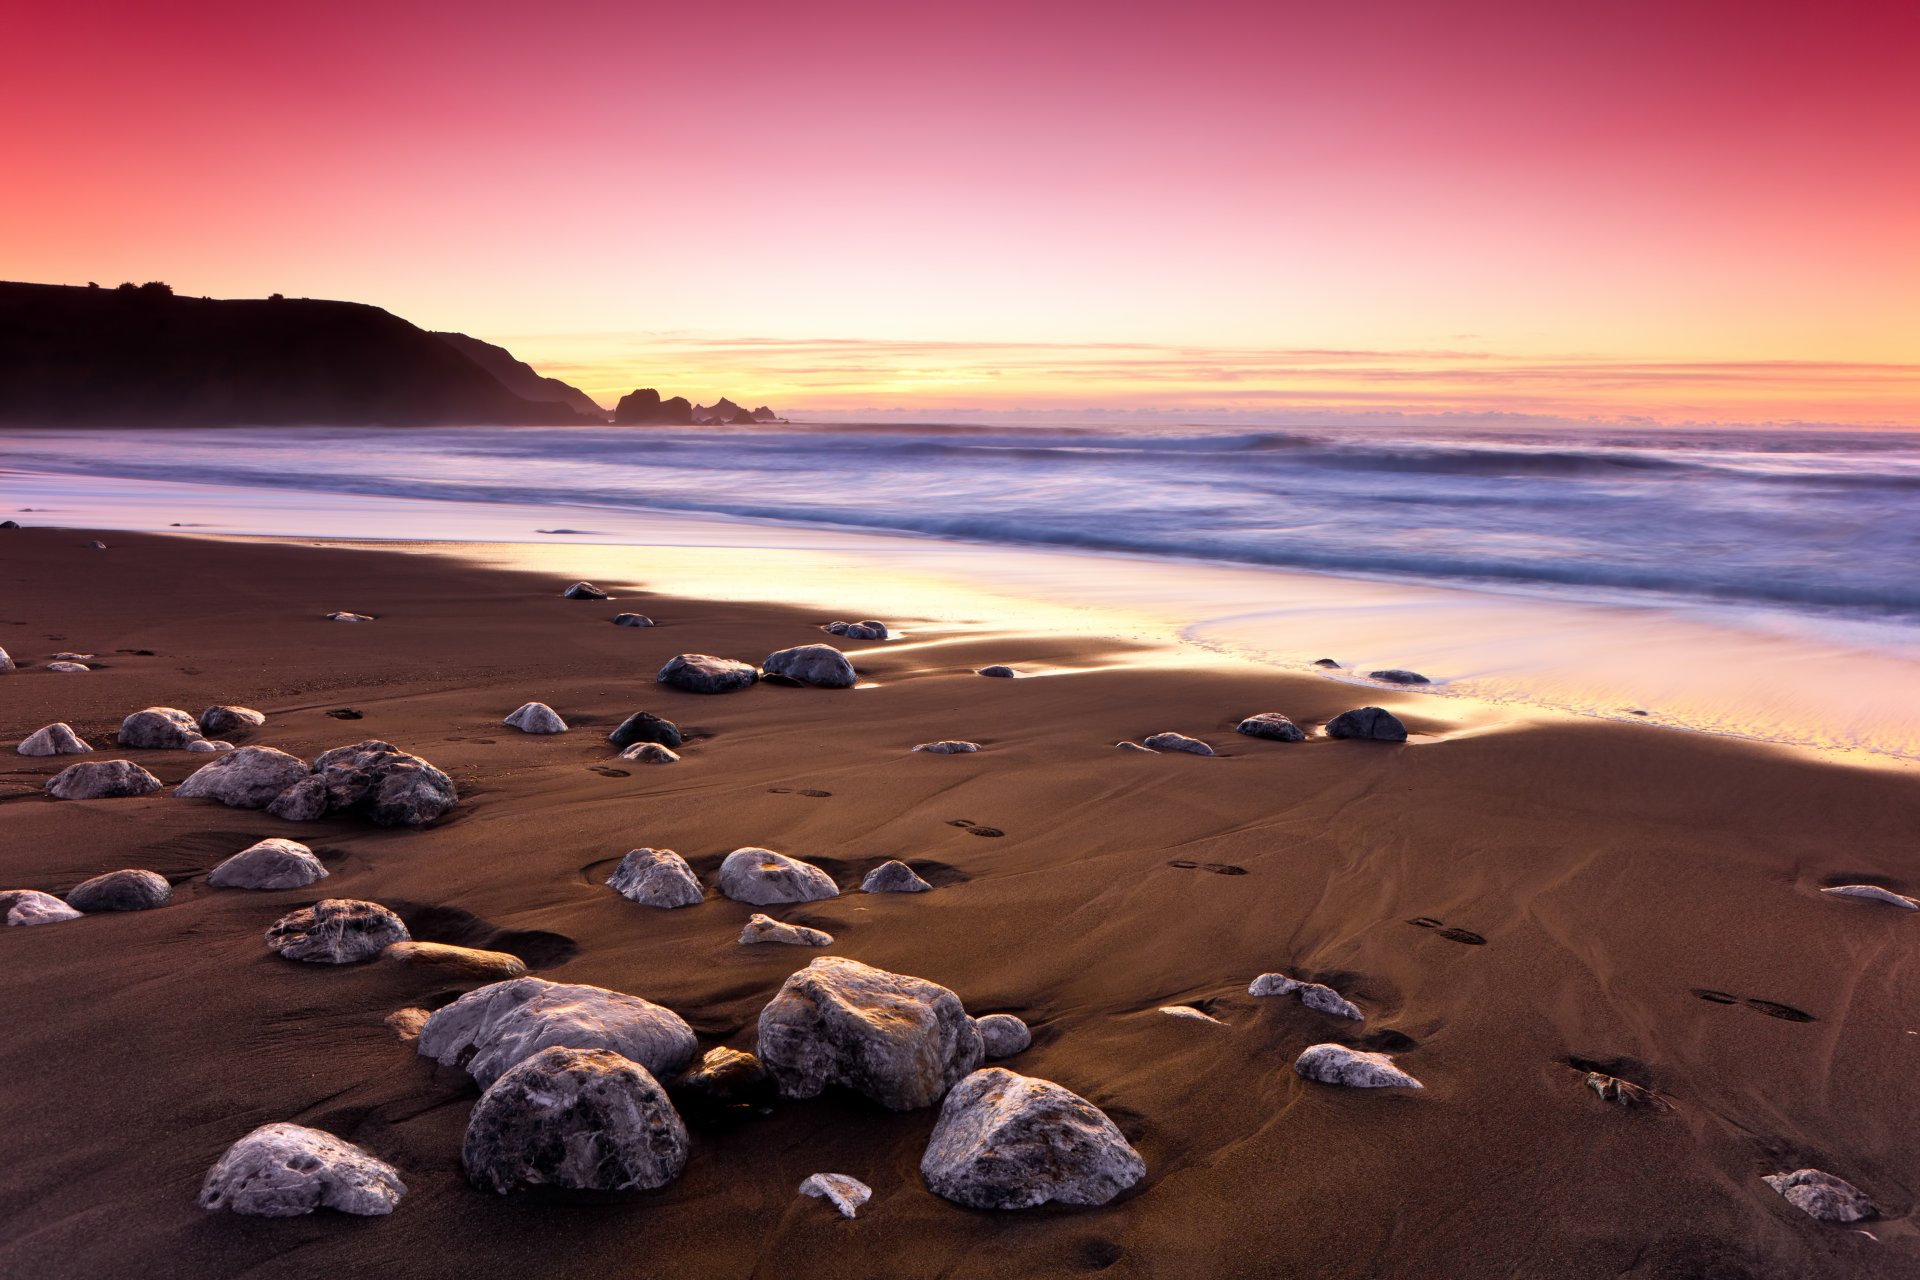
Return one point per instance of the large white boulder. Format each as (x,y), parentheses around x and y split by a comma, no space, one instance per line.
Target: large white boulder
(490,1029)
(1008,1141)
(762,878)
(284,1170)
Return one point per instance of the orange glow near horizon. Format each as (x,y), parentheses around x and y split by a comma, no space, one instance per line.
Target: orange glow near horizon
(1706,211)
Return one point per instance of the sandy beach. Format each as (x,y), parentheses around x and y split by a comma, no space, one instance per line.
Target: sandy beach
(1613,873)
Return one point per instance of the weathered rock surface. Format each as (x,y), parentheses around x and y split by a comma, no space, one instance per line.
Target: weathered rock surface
(1314,995)
(159,728)
(763,928)
(250,778)
(53,740)
(656,878)
(490,1029)
(867,629)
(268,864)
(1375,724)
(1177,742)
(68,668)
(1394,675)
(821,665)
(632,620)
(704,673)
(284,1170)
(1821,1195)
(536,717)
(465,962)
(763,878)
(846,1193)
(893,876)
(6,661)
(1874,893)
(206,746)
(726,1085)
(948,747)
(336,931)
(1189,1013)
(30,907)
(1002,1035)
(125,890)
(583,1119)
(101,780)
(998,672)
(406,1023)
(1272,726)
(372,778)
(901,1041)
(344,616)
(650,753)
(1625,1093)
(218,722)
(1354,1068)
(584,591)
(1008,1141)
(644,726)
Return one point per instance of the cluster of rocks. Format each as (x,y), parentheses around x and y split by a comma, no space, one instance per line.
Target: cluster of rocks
(373,779)
(129,889)
(865,630)
(818,665)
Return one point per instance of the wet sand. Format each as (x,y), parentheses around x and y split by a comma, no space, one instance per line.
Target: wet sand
(1612,870)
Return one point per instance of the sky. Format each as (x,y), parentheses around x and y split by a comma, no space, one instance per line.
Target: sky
(1677,210)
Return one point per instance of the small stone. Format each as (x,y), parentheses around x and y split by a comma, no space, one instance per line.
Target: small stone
(1134,746)
(30,907)
(1337,1064)
(9,524)
(206,747)
(73,657)
(893,876)
(53,740)
(703,673)
(1272,726)
(1328,663)
(96,545)
(159,728)
(1190,1013)
(1322,999)
(218,722)
(1821,1195)
(491,1028)
(584,591)
(6,661)
(1177,742)
(644,726)
(465,962)
(1008,1141)
(1872,892)
(656,878)
(101,780)
(1374,724)
(1625,1092)
(343,616)
(847,1194)
(582,1119)
(998,672)
(406,1023)
(867,630)
(632,620)
(126,890)
(763,878)
(650,753)
(536,717)
(68,668)
(1002,1035)
(284,1170)
(250,778)
(268,864)
(727,1085)
(820,665)
(948,747)
(1394,675)
(336,931)
(763,928)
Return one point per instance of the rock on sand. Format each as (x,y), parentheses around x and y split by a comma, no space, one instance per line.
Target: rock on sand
(1002,1035)
(1177,742)
(376,779)
(1874,893)
(217,722)
(704,673)
(30,906)
(490,1029)
(584,591)
(101,780)
(126,890)
(893,876)
(656,878)
(536,717)
(336,931)
(644,726)
(53,740)
(948,747)
(580,1118)
(650,753)
(268,864)
(1821,1195)
(1375,724)
(1315,996)
(763,928)
(763,878)
(1008,1141)
(632,620)
(159,728)
(821,665)
(250,778)
(1337,1064)
(1272,726)
(846,1193)
(284,1170)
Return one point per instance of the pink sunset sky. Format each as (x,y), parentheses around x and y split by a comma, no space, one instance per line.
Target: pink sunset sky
(1690,211)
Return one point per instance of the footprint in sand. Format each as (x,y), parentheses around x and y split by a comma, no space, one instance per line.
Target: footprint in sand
(975,829)
(1218,868)
(1772,1008)
(607,771)
(1465,937)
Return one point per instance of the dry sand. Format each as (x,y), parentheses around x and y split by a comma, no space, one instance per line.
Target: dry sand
(1612,870)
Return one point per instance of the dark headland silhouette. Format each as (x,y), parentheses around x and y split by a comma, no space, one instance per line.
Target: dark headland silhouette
(142,356)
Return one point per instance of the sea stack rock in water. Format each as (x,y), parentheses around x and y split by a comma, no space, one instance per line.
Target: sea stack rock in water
(22,907)
(284,1170)
(1337,1064)
(814,664)
(644,726)
(159,728)
(373,778)
(1821,1195)
(101,780)
(1272,726)
(1375,724)
(893,876)
(656,878)
(219,722)
(763,878)
(490,1029)
(899,1040)
(1008,1141)
(582,1119)
(250,778)
(268,864)
(536,717)
(129,890)
(704,673)
(336,931)
(584,591)
(53,740)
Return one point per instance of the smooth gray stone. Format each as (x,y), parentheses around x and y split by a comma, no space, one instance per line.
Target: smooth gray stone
(159,728)
(1337,1064)
(250,778)
(998,671)
(815,664)
(582,1119)
(536,717)
(336,931)
(1272,726)
(584,591)
(268,864)
(764,928)
(1394,675)
(1177,742)
(899,1040)
(866,630)
(949,747)
(847,1193)
(101,780)
(218,722)
(53,740)
(1874,893)
(893,876)
(284,1170)
(1375,724)
(650,753)
(726,1085)
(632,620)
(206,746)
(488,1030)
(656,878)
(344,616)
(704,673)
(1002,1035)
(1315,996)
(69,668)
(30,907)
(1821,1195)
(644,726)
(763,878)
(124,890)
(1008,1141)
(375,779)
